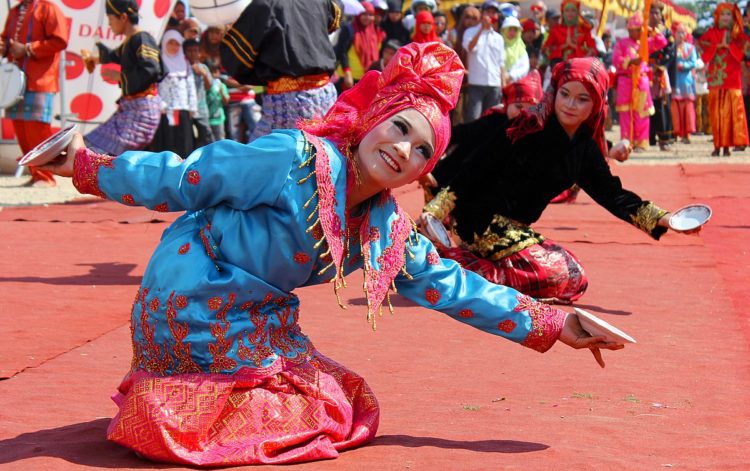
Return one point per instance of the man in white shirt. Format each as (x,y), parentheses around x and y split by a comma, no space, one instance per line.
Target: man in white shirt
(485,52)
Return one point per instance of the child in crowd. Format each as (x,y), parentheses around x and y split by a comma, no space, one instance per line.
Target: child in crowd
(202,78)
(178,99)
(216,97)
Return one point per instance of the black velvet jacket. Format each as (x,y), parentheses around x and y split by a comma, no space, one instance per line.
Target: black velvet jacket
(487,182)
(140,60)
(281,38)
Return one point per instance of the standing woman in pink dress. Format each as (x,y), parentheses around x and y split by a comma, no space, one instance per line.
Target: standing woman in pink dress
(634,103)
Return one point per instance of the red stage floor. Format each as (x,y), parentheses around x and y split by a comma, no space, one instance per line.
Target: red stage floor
(451,397)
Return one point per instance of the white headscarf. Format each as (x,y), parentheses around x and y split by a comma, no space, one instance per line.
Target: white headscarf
(176,64)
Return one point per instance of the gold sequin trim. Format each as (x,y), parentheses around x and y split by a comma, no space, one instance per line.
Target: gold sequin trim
(647,217)
(504,237)
(442,204)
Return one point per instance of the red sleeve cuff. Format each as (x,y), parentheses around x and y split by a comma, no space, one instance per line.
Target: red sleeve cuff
(86,171)
(546,323)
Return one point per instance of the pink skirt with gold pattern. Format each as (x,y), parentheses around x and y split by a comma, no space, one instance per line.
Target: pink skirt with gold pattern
(283,414)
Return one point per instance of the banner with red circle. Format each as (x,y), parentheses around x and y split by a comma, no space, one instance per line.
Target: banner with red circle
(87,98)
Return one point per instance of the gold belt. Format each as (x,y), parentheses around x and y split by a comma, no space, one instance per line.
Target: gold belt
(296,84)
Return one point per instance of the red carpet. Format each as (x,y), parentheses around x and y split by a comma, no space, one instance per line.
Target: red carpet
(451,397)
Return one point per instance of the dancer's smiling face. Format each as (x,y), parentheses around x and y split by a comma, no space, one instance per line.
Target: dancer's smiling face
(396,151)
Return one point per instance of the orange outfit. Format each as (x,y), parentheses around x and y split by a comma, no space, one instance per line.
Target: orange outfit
(726,109)
(45,30)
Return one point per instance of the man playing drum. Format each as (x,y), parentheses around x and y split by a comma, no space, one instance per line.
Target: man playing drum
(35,32)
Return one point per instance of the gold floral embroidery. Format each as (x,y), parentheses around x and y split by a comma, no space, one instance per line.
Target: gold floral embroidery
(223,345)
(504,237)
(546,323)
(442,204)
(647,217)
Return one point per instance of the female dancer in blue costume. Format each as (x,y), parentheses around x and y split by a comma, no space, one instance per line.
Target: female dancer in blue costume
(221,372)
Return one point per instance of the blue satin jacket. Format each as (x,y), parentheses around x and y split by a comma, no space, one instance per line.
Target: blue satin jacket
(260,220)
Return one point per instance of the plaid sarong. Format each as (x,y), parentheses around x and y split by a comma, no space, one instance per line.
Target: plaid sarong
(35,106)
(132,127)
(282,111)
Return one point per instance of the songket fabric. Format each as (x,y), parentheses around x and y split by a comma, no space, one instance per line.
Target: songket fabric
(132,127)
(285,110)
(545,271)
(222,373)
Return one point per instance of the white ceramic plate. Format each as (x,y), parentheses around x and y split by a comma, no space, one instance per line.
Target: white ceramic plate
(436,231)
(595,326)
(690,217)
(50,148)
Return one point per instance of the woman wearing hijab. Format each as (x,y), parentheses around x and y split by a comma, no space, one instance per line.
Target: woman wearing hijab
(508,177)
(179,101)
(359,45)
(723,47)
(571,38)
(222,374)
(516,58)
(134,124)
(424,31)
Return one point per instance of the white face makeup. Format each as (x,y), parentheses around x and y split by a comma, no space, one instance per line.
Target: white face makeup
(395,151)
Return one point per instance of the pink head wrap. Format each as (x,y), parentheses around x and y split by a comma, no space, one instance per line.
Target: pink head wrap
(635,21)
(423,76)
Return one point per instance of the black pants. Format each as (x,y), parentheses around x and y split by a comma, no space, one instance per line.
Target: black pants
(176,137)
(660,124)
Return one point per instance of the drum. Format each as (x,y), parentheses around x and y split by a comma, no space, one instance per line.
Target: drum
(12,84)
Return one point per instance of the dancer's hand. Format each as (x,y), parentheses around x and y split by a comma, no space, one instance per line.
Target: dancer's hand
(664,222)
(574,336)
(62,165)
(17,49)
(621,151)
(111,75)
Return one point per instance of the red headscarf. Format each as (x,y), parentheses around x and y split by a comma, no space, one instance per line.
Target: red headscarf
(423,76)
(367,39)
(527,90)
(593,75)
(425,17)
(736,16)
(580,20)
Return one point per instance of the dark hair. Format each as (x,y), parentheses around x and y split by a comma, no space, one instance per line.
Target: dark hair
(190,43)
(394,44)
(439,13)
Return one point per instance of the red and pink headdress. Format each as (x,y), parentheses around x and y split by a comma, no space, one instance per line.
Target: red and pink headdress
(426,77)
(527,90)
(593,75)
